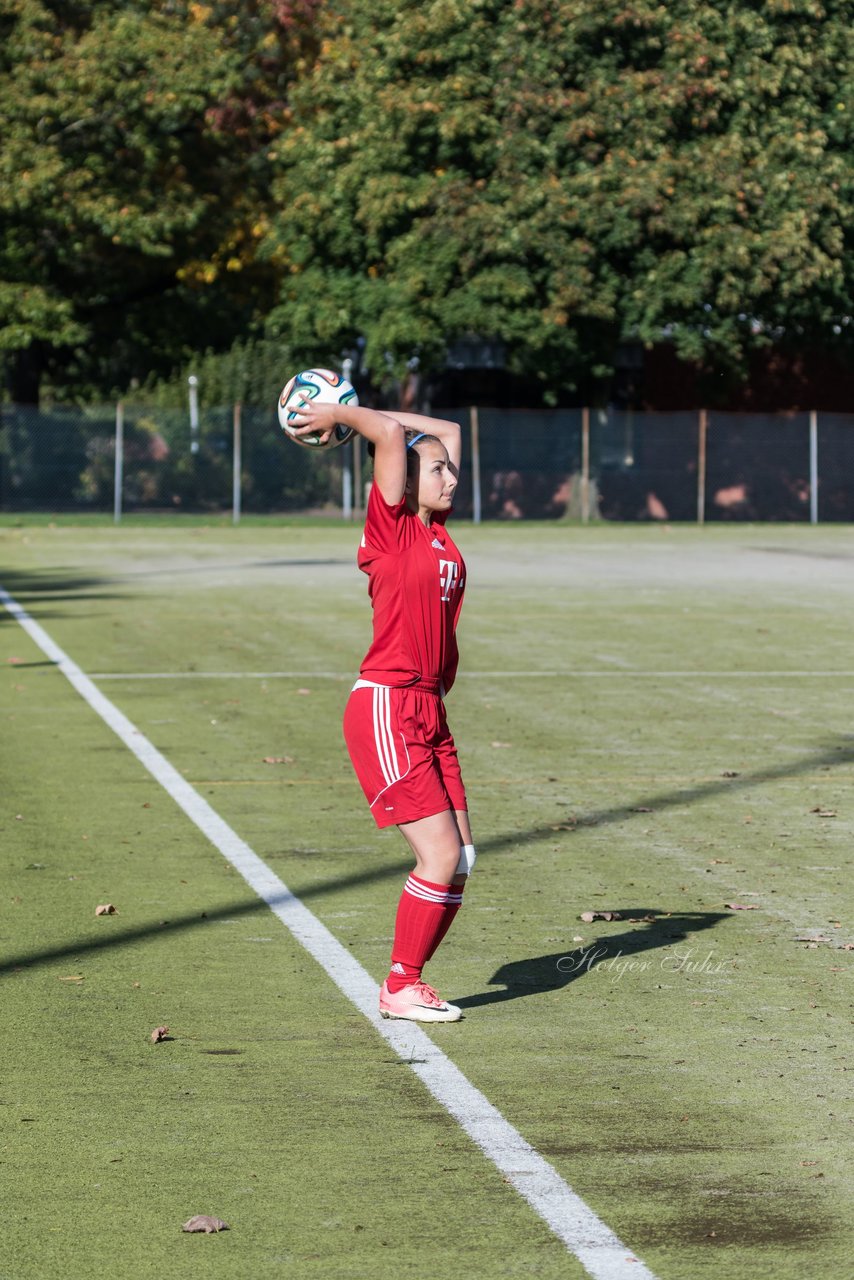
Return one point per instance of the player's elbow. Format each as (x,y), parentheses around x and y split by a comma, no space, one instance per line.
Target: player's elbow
(394,430)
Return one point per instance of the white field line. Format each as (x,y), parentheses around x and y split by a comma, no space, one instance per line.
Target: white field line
(597,1248)
(608,674)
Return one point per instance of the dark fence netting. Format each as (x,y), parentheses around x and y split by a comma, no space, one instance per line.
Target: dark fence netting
(597,464)
(835,466)
(53,459)
(65,460)
(529,462)
(645,465)
(758,467)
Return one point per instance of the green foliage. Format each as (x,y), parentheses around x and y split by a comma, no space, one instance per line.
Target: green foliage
(252,371)
(176,176)
(564,176)
(133,170)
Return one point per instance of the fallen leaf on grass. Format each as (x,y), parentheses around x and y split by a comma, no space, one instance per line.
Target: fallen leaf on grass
(202,1222)
(588,916)
(741,906)
(642,809)
(824,813)
(847,946)
(73,977)
(278,760)
(158,1034)
(106,909)
(812,937)
(563,826)
(499,744)
(730,773)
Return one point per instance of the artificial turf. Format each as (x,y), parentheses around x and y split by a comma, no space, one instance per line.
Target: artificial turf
(675,738)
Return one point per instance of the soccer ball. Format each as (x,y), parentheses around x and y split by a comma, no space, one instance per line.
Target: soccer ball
(315,384)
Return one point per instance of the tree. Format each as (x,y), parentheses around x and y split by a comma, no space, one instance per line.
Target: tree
(564,176)
(133,175)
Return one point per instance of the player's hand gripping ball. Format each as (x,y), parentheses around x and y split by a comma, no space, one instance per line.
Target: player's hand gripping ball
(315,384)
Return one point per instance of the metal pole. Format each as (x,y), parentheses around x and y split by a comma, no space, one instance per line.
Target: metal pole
(357,472)
(119,463)
(193,384)
(813,467)
(347,490)
(701,467)
(347,460)
(236,463)
(474,427)
(585,466)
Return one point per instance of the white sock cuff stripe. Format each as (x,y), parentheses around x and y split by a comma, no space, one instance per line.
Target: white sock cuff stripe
(426,894)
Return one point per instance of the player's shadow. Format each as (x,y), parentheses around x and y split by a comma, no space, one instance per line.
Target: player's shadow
(616,952)
(41,593)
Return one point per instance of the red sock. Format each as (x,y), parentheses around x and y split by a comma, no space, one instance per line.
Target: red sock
(418,928)
(452,906)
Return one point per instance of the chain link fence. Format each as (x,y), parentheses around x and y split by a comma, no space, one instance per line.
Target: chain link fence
(517,464)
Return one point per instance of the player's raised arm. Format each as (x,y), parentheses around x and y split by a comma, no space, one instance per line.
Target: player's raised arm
(442,428)
(381,430)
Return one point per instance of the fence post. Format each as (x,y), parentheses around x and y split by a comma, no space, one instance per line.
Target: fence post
(347,487)
(701,467)
(474,428)
(357,472)
(119,463)
(237,461)
(813,467)
(585,466)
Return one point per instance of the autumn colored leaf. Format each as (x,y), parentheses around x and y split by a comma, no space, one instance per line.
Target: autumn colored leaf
(202,1222)
(589,916)
(158,1034)
(106,909)
(740,906)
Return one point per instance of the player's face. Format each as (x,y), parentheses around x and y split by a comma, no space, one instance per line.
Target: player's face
(436,482)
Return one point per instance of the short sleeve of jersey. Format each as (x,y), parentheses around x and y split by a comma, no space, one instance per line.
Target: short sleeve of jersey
(384,523)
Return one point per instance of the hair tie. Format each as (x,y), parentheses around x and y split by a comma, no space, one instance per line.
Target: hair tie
(415,439)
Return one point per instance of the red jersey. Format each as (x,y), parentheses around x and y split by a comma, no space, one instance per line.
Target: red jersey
(416,578)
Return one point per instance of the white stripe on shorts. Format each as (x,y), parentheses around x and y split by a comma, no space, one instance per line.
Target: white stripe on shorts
(382,737)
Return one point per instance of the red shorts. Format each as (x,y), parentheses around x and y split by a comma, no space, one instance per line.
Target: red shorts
(403,753)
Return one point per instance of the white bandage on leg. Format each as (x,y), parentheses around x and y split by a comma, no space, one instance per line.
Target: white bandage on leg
(468,857)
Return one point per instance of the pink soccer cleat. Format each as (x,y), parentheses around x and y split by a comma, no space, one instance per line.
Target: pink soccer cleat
(418,1003)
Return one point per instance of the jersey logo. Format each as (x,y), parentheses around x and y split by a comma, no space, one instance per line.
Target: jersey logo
(449,571)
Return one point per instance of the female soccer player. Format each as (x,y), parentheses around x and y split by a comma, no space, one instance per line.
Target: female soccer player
(394,724)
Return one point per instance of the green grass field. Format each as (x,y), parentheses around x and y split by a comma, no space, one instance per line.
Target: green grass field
(654,721)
